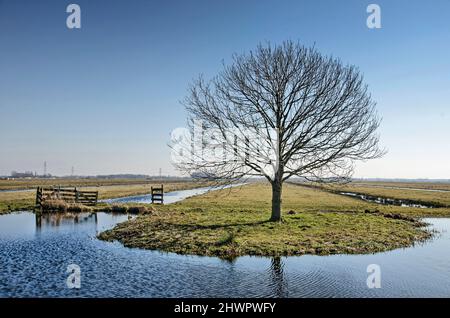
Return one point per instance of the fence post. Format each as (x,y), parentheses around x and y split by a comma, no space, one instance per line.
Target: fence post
(151,191)
(157,194)
(37,197)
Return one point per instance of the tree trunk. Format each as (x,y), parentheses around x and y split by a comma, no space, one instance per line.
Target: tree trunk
(276,201)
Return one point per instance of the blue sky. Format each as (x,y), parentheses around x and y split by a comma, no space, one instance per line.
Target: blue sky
(104,98)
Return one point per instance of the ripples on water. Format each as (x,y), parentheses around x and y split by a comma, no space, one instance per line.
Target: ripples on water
(34,254)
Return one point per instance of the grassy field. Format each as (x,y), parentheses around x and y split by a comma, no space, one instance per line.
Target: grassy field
(75,182)
(230,223)
(24,200)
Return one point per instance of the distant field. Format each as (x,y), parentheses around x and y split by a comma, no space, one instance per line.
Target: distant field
(112,188)
(33,183)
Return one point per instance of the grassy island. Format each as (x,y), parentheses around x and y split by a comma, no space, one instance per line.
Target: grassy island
(233,222)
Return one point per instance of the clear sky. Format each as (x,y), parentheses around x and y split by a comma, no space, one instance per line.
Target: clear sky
(104,98)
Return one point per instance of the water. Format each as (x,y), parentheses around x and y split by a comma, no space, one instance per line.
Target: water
(16,190)
(389,201)
(405,188)
(169,197)
(35,253)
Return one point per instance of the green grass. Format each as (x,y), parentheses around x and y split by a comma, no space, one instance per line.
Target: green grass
(230,223)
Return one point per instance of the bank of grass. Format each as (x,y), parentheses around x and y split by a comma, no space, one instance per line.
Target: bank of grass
(25,200)
(233,222)
(60,206)
(16,201)
(63,206)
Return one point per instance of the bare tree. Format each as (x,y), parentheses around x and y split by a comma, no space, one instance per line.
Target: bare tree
(278,112)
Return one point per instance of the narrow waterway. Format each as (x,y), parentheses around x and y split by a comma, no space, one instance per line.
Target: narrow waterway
(170,197)
(389,201)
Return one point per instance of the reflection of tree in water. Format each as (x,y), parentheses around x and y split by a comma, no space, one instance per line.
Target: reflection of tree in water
(56,219)
(279,284)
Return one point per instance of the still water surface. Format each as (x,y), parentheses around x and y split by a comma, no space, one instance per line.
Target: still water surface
(170,197)
(390,201)
(35,253)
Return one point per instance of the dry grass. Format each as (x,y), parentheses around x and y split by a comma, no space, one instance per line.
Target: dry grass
(15,201)
(62,206)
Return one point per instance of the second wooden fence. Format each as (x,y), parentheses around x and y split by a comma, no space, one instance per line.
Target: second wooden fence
(69,195)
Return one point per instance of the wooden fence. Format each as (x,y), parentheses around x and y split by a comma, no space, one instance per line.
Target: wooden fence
(69,195)
(158,195)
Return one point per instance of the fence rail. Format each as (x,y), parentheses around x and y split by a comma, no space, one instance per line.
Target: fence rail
(70,195)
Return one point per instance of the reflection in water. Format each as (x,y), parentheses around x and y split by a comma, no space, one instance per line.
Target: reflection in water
(279,283)
(35,253)
(38,220)
(58,219)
